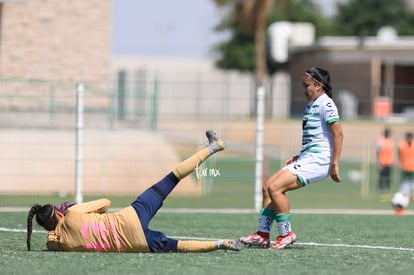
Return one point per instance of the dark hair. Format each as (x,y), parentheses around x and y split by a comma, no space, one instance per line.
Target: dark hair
(44,216)
(321,76)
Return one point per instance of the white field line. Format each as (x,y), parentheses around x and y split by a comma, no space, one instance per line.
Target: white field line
(360,246)
(252,211)
(319,244)
(18,230)
(374,247)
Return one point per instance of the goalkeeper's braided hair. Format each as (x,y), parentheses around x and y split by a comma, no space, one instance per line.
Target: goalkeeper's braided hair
(44,216)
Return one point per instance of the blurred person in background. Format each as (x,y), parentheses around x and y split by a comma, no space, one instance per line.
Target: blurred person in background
(406,161)
(87,226)
(322,139)
(385,159)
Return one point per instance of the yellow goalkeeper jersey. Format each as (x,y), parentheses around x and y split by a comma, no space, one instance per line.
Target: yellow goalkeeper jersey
(86,227)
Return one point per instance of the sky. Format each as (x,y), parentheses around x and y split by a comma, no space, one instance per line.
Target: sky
(161,28)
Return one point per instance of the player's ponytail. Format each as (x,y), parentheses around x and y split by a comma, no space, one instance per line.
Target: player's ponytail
(33,211)
(45,217)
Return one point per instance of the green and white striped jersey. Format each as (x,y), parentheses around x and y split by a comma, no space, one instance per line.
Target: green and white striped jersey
(317,138)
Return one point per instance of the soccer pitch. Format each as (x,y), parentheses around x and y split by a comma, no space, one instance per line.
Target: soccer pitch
(326,244)
(335,243)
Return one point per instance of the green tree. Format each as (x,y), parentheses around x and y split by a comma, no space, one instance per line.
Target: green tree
(240,51)
(249,18)
(301,11)
(366,17)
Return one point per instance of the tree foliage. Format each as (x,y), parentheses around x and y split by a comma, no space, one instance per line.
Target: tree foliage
(365,18)
(301,11)
(239,51)
(353,17)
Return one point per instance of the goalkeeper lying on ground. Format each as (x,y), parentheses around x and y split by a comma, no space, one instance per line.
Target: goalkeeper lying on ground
(86,226)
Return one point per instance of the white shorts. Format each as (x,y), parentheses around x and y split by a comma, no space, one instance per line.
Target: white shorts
(309,169)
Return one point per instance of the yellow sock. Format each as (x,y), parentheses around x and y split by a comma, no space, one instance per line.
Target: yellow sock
(196,246)
(188,165)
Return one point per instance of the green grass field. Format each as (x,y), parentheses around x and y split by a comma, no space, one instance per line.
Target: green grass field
(327,243)
(234,188)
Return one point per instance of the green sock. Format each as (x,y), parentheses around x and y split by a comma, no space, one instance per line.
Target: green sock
(283,224)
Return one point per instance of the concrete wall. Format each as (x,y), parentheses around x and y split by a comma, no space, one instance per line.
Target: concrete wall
(56,40)
(115,163)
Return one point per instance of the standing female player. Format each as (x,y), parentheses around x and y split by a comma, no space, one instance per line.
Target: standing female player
(322,139)
(86,226)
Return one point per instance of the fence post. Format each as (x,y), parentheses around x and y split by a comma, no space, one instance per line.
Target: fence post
(52,104)
(259,147)
(154,107)
(121,94)
(365,171)
(79,141)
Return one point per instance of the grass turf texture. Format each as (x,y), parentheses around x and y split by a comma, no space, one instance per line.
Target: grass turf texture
(234,188)
(372,240)
(367,237)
